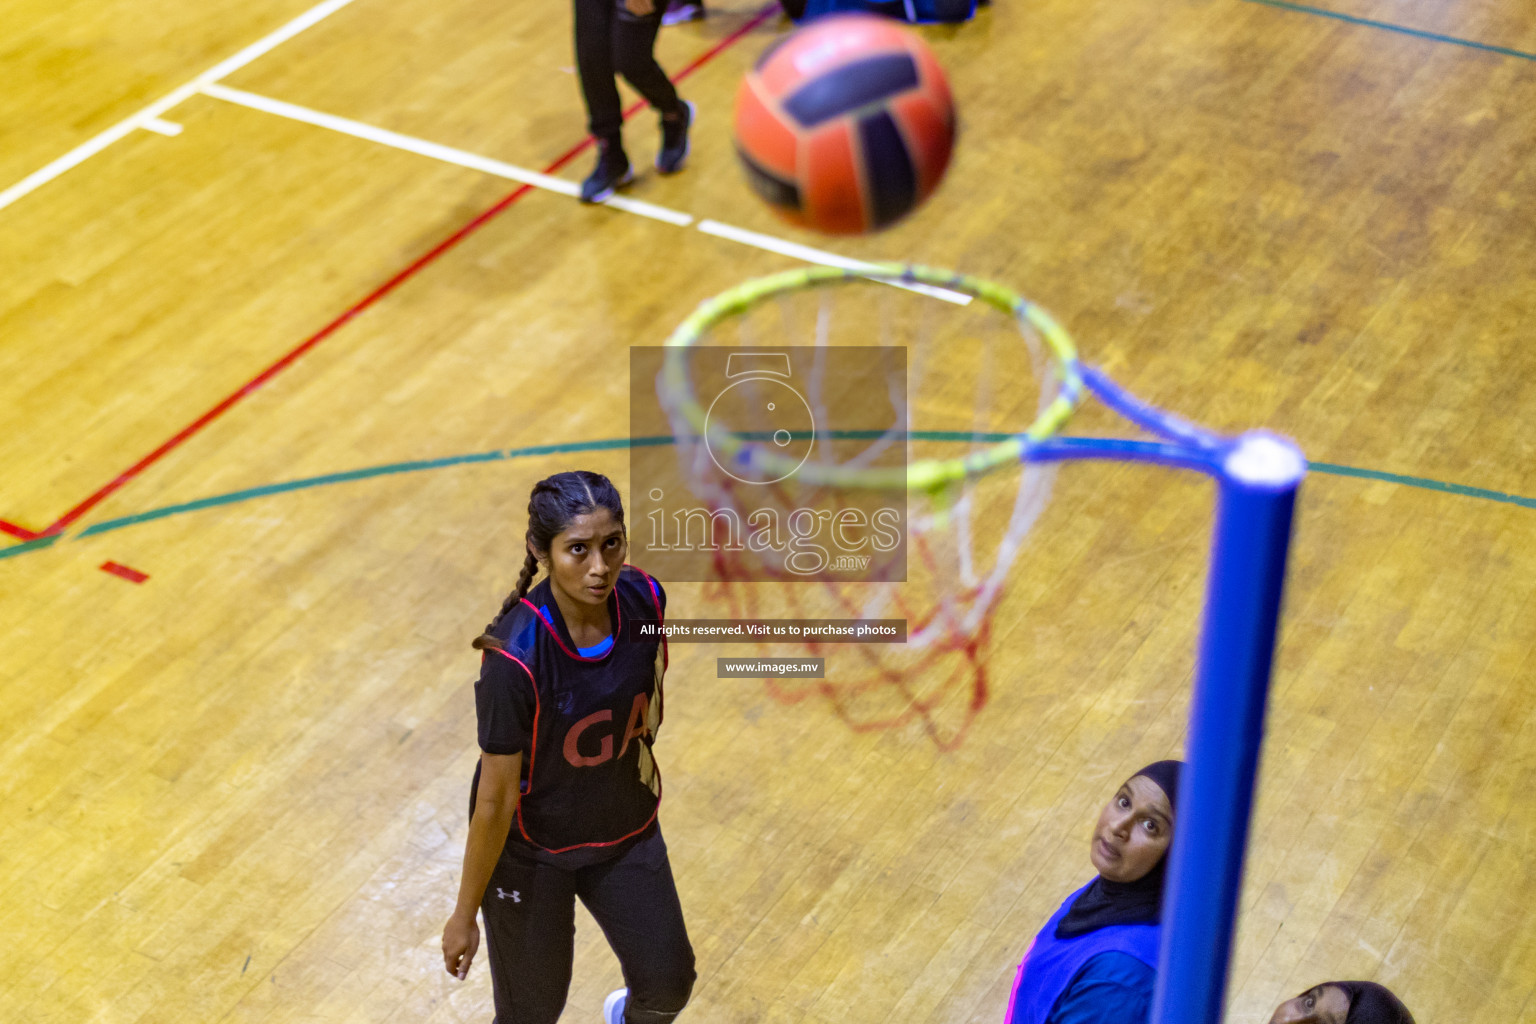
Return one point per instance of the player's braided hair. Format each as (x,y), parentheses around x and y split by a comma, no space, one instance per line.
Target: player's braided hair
(555,503)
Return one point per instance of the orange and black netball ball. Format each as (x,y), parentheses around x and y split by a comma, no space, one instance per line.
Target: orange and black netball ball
(846,125)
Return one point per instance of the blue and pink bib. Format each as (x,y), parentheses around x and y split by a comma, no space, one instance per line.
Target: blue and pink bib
(1051,963)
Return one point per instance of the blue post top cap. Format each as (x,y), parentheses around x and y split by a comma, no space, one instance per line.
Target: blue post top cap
(1264,460)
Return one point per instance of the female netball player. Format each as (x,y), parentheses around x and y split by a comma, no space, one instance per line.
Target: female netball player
(1343,1002)
(620,35)
(1095,961)
(565,797)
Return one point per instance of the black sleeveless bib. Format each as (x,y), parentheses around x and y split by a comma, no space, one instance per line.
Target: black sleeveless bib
(590,781)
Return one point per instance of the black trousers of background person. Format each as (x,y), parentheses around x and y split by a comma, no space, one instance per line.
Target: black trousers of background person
(610,40)
(530,926)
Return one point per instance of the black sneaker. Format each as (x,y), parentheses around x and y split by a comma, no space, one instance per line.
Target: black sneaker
(674,141)
(612,172)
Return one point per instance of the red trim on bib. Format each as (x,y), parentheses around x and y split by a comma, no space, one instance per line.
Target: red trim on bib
(533,745)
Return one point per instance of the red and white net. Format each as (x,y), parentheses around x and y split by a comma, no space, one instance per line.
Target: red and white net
(938,380)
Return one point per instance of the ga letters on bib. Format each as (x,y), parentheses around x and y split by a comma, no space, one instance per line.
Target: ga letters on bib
(584,722)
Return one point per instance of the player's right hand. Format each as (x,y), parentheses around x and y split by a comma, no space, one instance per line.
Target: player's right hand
(461,940)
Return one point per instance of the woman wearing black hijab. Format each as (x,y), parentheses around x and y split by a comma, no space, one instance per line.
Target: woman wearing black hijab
(1343,1002)
(1095,961)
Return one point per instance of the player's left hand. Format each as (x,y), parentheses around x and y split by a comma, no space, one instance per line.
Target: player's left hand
(639,8)
(461,940)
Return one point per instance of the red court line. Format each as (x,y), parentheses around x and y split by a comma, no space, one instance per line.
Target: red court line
(378,293)
(127,573)
(283,363)
(19,532)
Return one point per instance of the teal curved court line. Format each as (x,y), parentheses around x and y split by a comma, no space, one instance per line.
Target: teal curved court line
(623,443)
(1402,30)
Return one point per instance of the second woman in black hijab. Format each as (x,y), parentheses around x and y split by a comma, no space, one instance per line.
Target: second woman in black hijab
(1343,1002)
(1095,961)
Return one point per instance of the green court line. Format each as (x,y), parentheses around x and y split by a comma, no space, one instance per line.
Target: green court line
(623,443)
(108,525)
(1399,29)
(28,545)
(1423,483)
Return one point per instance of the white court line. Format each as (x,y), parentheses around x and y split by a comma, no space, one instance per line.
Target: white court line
(447,154)
(206,83)
(90,148)
(474,161)
(809,255)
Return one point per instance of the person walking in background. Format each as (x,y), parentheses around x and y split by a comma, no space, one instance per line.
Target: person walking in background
(619,37)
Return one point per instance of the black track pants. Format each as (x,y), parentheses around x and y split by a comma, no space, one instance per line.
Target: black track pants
(610,40)
(530,923)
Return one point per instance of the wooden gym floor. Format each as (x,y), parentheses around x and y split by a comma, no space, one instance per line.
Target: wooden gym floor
(235,789)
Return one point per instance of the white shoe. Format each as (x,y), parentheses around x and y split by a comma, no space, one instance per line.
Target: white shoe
(613,1006)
